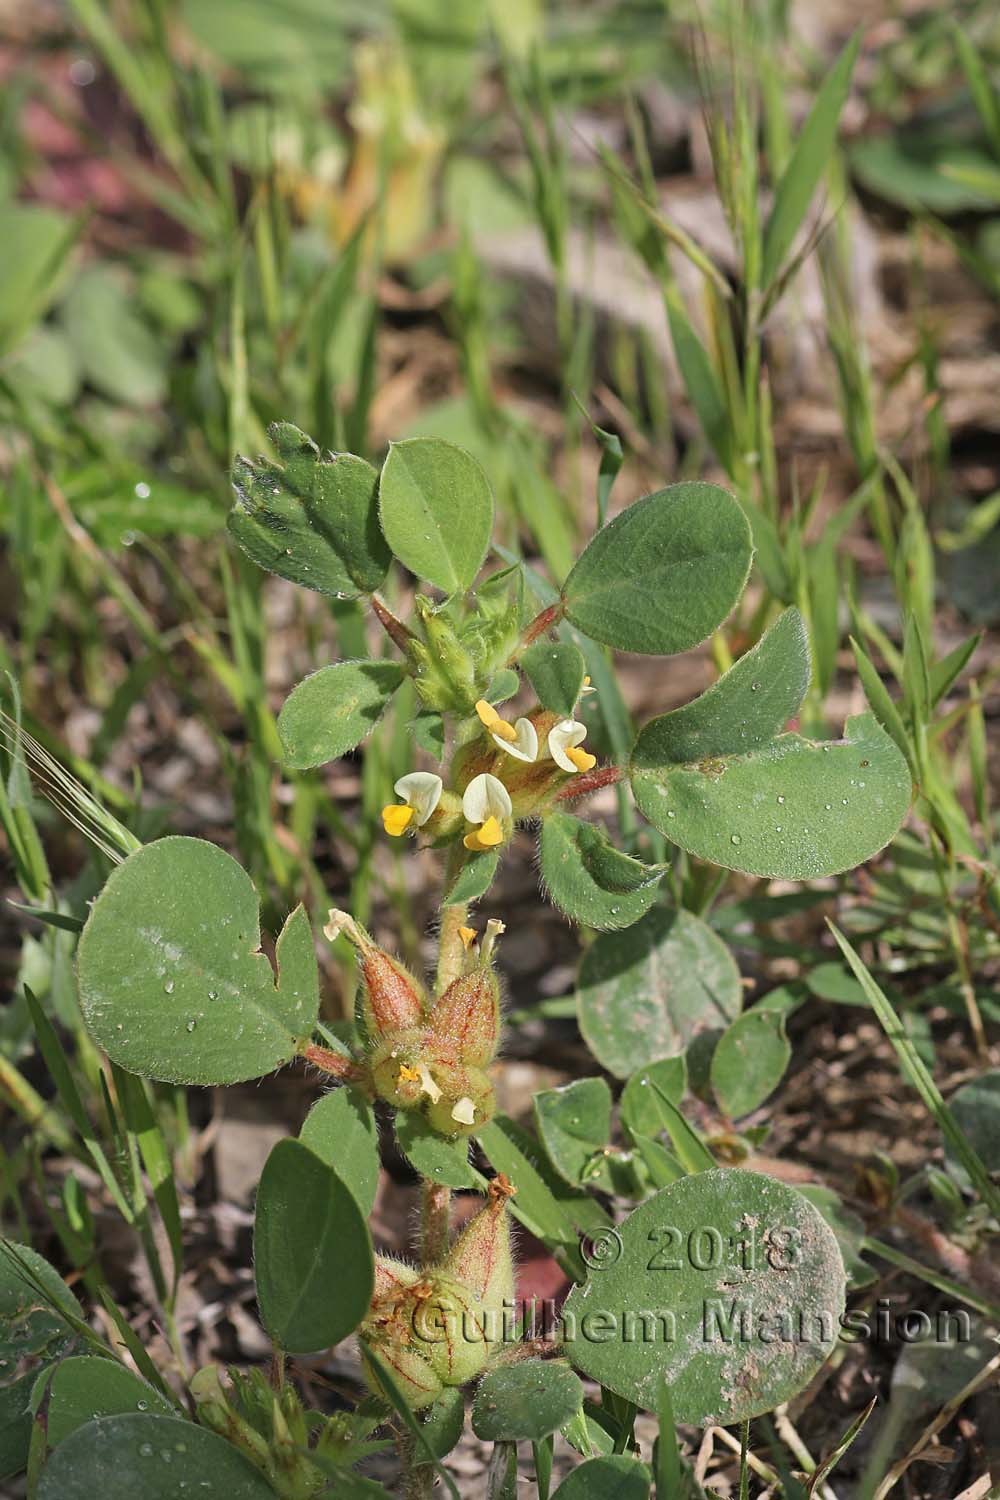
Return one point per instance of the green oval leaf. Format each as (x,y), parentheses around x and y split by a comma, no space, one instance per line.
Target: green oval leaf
(474,878)
(611,1477)
(430,1154)
(848,1230)
(976,1108)
(574,1122)
(172,981)
(310,519)
(556,672)
(31,1294)
(123,1457)
(525,1402)
(665,573)
(83,1388)
(436,507)
(32,1333)
(728,1285)
(313,1260)
(334,709)
(645,995)
(589,879)
(341,1129)
(749,1061)
(441,1425)
(745,709)
(115,346)
(794,810)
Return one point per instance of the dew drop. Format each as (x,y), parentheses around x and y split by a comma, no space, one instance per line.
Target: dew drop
(781,801)
(734,838)
(168,988)
(844,801)
(671,813)
(754,687)
(146,1450)
(142,490)
(191,1025)
(828,806)
(213,994)
(142,1405)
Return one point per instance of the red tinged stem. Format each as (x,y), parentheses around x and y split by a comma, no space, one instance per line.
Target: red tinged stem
(542,622)
(334,1063)
(590,781)
(394,629)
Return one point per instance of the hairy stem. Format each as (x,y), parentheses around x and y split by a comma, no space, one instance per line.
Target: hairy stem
(435,1222)
(451,949)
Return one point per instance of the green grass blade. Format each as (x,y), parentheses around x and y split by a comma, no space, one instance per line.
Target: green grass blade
(691,1150)
(881,704)
(55,1060)
(812,151)
(398,1400)
(932,1277)
(141,1122)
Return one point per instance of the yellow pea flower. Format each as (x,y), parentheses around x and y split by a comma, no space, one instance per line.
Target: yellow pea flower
(486,802)
(565,739)
(421,793)
(519,739)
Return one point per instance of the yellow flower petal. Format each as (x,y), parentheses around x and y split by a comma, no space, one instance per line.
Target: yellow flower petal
(396,818)
(491,834)
(489,717)
(582,759)
(468,936)
(410,1075)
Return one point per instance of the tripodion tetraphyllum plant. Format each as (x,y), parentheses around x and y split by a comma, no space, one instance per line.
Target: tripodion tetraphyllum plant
(718,1296)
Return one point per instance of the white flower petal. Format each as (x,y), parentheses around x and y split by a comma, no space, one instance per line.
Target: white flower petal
(566,735)
(427,1084)
(464,1111)
(525,747)
(486,797)
(420,790)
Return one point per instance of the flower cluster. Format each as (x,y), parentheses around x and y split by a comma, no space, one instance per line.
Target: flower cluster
(442,1326)
(492,799)
(422,1053)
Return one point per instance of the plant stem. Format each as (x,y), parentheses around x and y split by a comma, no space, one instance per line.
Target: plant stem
(451,949)
(435,1222)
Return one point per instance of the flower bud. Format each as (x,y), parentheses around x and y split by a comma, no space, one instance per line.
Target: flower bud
(215,1410)
(480,1259)
(445,675)
(462,1322)
(412,1374)
(466,1018)
(392,999)
(392,1278)
(451,1333)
